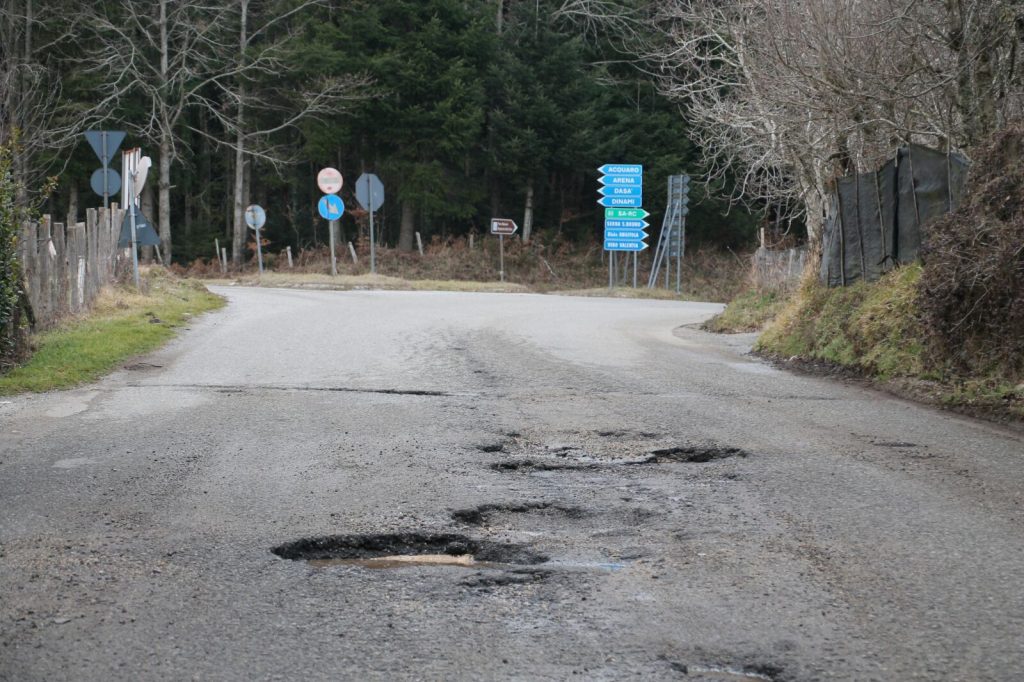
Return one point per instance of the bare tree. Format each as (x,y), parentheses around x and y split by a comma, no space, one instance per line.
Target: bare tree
(162,52)
(32,105)
(252,61)
(785,95)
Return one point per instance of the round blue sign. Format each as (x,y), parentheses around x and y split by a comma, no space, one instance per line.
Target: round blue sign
(255,216)
(113,178)
(331,207)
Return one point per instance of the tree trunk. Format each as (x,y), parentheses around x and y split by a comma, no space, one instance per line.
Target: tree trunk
(238,222)
(528,213)
(147,210)
(165,148)
(407,233)
(73,204)
(165,197)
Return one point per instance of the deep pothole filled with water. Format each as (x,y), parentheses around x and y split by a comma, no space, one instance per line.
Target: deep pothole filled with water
(404,550)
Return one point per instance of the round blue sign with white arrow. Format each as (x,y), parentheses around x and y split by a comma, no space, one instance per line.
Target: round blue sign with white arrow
(331,207)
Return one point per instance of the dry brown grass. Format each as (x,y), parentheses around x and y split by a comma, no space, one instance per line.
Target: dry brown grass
(451,265)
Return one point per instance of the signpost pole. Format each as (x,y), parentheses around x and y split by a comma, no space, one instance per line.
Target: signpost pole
(373,240)
(501,250)
(611,271)
(334,260)
(634,269)
(131,209)
(259,250)
(106,164)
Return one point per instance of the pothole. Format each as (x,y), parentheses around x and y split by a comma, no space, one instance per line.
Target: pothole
(485,513)
(714,673)
(528,465)
(491,447)
(696,454)
(141,366)
(403,550)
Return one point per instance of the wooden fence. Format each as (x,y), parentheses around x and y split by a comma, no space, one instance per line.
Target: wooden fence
(66,267)
(773,270)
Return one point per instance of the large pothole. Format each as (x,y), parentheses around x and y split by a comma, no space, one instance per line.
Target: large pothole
(400,550)
(697,454)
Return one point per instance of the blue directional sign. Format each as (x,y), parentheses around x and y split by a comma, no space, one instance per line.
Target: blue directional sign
(621,169)
(624,245)
(631,180)
(622,191)
(633,202)
(624,234)
(331,207)
(625,214)
(626,224)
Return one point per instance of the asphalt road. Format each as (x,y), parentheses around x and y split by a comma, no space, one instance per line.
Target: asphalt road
(833,533)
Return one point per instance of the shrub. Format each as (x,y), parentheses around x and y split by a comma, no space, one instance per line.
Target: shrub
(972,291)
(11,331)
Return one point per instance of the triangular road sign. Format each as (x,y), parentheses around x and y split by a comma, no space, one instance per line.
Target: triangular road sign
(145,235)
(114,138)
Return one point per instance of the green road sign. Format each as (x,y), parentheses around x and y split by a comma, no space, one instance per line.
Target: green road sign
(625,214)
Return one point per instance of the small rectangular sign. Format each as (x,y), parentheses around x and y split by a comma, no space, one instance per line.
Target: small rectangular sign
(624,245)
(503,226)
(626,224)
(615,234)
(631,180)
(621,169)
(635,202)
(625,214)
(622,191)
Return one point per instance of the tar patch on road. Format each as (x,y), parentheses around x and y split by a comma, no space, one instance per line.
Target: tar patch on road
(398,550)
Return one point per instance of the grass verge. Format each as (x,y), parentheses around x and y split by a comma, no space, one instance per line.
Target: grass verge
(748,312)
(453,265)
(875,331)
(122,324)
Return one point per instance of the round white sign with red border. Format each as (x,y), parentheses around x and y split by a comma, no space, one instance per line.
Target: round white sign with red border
(329,180)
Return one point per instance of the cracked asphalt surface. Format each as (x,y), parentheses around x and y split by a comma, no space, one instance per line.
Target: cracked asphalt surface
(836,533)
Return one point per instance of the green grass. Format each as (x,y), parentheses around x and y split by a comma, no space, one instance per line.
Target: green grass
(872,328)
(121,325)
(875,330)
(748,312)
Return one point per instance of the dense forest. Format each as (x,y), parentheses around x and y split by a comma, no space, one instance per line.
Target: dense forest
(471,109)
(466,109)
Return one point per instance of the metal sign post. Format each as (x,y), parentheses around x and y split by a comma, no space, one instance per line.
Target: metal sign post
(330,181)
(331,208)
(256,217)
(370,195)
(502,227)
(105,181)
(622,192)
